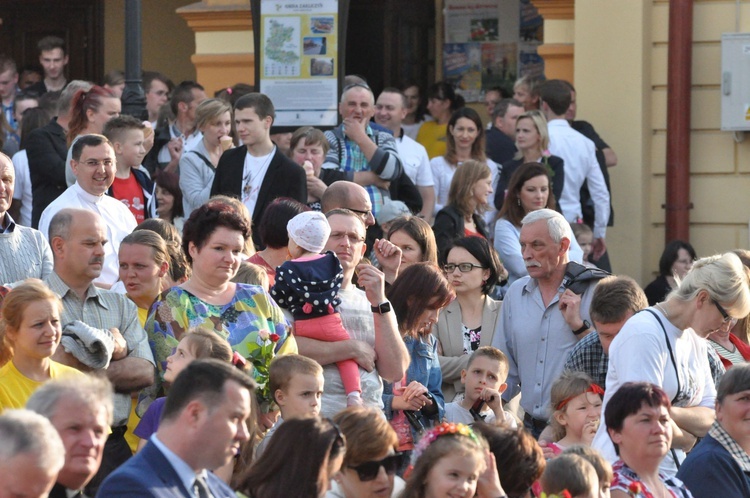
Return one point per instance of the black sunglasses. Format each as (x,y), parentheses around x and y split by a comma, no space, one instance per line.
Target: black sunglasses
(369,470)
(725,316)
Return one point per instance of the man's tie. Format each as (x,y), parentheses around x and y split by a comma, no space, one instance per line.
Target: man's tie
(200,487)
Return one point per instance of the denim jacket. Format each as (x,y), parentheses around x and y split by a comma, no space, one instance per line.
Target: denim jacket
(425,369)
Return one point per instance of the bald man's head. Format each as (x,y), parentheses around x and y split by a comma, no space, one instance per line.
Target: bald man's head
(348,195)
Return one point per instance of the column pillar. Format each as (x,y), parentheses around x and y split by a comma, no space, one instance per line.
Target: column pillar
(224,51)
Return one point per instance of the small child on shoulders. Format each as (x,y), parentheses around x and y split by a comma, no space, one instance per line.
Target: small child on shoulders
(132,186)
(308,286)
(484,381)
(296,384)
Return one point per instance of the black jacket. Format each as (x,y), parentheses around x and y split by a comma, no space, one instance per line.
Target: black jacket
(47,150)
(449,226)
(284,178)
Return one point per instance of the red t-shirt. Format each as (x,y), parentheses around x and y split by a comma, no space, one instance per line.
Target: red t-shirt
(130,193)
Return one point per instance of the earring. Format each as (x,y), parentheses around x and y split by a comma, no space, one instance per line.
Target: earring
(519,201)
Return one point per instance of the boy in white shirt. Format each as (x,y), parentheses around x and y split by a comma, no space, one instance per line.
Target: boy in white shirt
(484,380)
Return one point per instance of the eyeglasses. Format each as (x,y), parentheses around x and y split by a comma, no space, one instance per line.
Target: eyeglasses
(726,318)
(463,267)
(354,238)
(369,470)
(93,163)
(362,214)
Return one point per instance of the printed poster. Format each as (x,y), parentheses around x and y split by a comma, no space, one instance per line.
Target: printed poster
(298,60)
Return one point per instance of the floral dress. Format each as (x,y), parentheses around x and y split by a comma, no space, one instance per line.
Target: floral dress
(250,322)
(627,481)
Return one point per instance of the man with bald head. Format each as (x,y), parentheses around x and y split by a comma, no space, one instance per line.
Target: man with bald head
(98,320)
(348,195)
(93,163)
(24,253)
(31,454)
(368,157)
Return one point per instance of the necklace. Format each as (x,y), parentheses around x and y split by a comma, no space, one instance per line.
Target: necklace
(663,309)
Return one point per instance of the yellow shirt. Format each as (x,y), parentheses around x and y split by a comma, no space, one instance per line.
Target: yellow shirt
(142,316)
(433,137)
(16,388)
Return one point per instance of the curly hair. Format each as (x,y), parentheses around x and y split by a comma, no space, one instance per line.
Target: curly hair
(205,220)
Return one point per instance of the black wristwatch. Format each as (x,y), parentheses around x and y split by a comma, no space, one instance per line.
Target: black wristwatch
(381,308)
(586,325)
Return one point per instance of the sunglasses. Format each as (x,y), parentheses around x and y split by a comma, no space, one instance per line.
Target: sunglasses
(725,316)
(369,470)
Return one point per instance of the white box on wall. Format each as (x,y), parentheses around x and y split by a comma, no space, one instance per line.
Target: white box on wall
(735,81)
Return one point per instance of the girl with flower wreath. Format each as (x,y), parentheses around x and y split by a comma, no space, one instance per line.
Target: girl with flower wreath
(639,425)
(451,460)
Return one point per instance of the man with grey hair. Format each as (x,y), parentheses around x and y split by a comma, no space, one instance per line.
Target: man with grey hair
(47,149)
(24,253)
(541,320)
(80,408)
(31,454)
(369,158)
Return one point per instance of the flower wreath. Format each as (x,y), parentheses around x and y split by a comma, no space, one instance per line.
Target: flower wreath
(443,429)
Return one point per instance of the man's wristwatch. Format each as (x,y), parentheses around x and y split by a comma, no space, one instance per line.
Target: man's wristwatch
(381,308)
(586,325)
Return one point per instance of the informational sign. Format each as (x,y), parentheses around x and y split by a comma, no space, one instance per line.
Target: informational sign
(299,60)
(481,46)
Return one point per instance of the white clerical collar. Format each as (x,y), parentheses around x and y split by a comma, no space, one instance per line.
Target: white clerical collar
(94,199)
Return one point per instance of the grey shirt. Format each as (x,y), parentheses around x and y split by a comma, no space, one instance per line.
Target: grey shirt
(537,340)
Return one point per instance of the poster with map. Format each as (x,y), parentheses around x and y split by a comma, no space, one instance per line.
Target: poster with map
(299,60)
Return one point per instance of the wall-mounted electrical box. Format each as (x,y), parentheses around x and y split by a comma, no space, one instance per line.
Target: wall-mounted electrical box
(735,81)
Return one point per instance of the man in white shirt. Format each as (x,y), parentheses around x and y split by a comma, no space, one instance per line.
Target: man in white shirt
(579,156)
(390,111)
(93,163)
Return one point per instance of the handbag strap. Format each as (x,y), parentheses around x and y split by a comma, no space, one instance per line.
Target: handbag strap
(676,373)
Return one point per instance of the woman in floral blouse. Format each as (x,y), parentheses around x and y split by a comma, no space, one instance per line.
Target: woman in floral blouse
(640,427)
(245,315)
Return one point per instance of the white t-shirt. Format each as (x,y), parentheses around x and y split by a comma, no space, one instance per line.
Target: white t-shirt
(457,414)
(253,174)
(22,191)
(415,160)
(639,353)
(252,177)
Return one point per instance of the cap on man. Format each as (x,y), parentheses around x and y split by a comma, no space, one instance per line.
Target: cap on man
(80,409)
(31,455)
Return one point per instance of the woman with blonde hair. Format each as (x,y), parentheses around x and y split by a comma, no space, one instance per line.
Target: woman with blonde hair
(213,118)
(30,333)
(144,262)
(467,199)
(664,345)
(532,142)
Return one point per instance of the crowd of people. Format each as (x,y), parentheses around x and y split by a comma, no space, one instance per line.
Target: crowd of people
(412,304)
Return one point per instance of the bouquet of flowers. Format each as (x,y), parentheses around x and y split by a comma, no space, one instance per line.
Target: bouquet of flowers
(261,357)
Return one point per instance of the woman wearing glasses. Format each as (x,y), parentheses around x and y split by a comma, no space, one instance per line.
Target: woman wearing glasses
(469,321)
(664,345)
(371,460)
